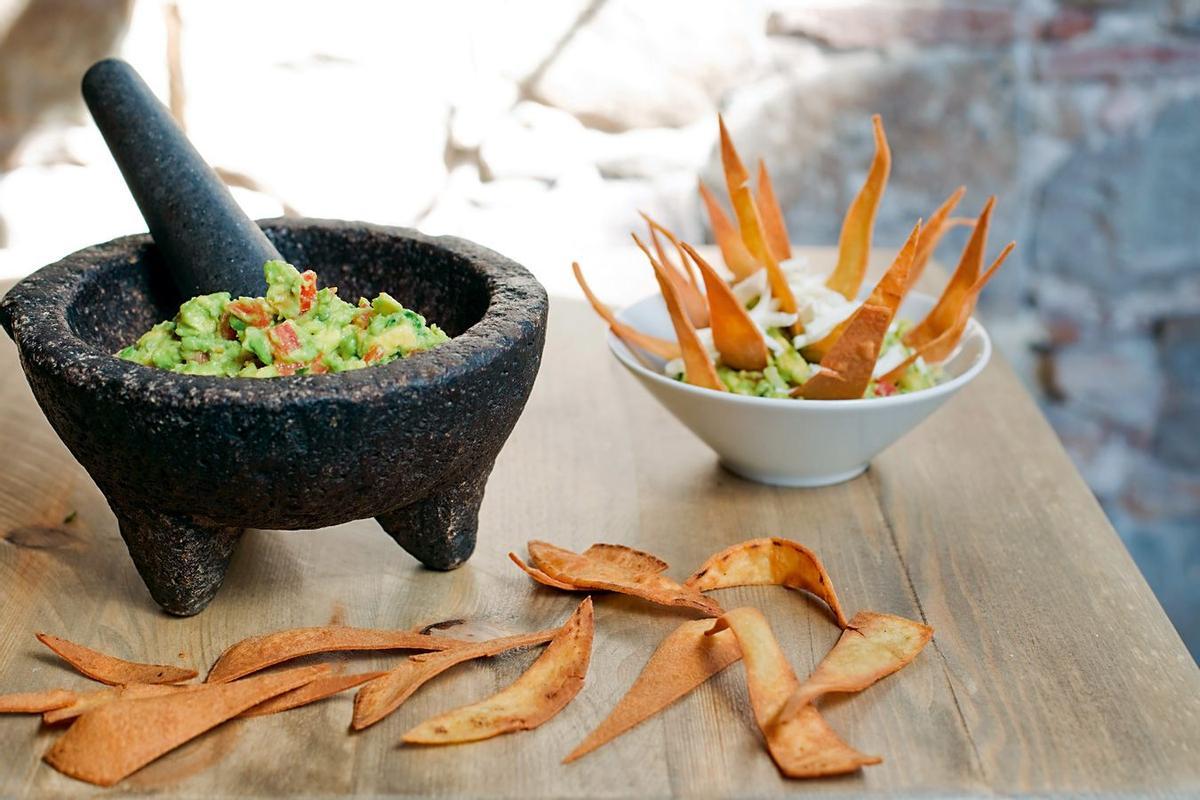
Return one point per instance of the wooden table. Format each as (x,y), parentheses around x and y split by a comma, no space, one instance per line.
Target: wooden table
(1053,670)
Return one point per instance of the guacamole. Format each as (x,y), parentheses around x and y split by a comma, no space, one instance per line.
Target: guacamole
(297,329)
(786,369)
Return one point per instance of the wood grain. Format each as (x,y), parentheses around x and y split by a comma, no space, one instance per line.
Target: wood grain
(1053,669)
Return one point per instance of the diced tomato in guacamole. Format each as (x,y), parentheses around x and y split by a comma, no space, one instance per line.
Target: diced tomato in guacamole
(296,329)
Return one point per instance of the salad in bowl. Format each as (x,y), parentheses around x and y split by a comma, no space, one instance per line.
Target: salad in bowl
(765,331)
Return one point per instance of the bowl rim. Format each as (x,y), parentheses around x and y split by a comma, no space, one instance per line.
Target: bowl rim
(974,328)
(36,308)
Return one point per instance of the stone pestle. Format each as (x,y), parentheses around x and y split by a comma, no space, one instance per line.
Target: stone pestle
(207,242)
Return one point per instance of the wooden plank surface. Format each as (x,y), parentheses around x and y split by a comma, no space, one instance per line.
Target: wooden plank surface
(1053,669)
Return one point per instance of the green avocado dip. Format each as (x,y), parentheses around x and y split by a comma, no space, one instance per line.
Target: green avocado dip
(787,369)
(296,329)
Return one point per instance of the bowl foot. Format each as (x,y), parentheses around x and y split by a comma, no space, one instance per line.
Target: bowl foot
(439,529)
(789,480)
(181,560)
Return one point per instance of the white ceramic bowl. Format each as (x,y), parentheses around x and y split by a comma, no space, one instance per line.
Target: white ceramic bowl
(797,442)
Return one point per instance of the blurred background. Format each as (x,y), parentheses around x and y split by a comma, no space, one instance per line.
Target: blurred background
(539,128)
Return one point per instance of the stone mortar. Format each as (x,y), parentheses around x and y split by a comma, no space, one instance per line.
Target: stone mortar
(187,462)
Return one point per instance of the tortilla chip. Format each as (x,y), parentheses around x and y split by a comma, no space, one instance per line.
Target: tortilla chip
(806,747)
(655,229)
(873,646)
(932,233)
(542,577)
(259,652)
(889,293)
(683,661)
(854,242)
(663,348)
(735,335)
(115,740)
(769,561)
(803,746)
(111,670)
(36,702)
(737,180)
(319,689)
(543,690)
(618,555)
(383,695)
(846,369)
(625,557)
(893,286)
(945,314)
(772,216)
(814,352)
(685,267)
(942,346)
(729,240)
(583,572)
(88,700)
(698,366)
(693,302)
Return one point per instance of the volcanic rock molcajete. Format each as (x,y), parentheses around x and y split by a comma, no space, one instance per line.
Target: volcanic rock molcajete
(187,462)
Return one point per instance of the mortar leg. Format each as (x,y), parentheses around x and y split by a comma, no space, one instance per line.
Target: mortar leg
(439,529)
(181,561)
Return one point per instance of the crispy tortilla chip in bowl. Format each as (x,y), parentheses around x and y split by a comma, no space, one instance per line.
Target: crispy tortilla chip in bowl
(788,442)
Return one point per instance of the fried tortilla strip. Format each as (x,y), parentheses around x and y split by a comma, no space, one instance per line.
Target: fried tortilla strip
(111,670)
(772,216)
(115,740)
(88,700)
(816,352)
(542,577)
(735,335)
(932,233)
(683,661)
(872,647)
(893,286)
(620,555)
(655,230)
(543,690)
(941,347)
(36,702)
(847,366)
(683,256)
(945,313)
(689,295)
(806,747)
(854,242)
(383,695)
(889,293)
(803,746)
(698,366)
(770,561)
(663,348)
(627,558)
(846,369)
(319,689)
(729,240)
(259,652)
(737,180)
(583,572)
